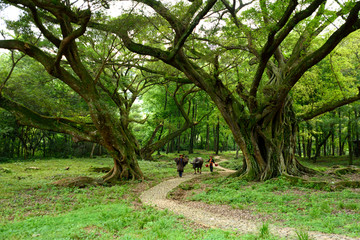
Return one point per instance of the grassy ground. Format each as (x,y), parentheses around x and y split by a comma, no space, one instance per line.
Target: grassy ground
(33,208)
(303,206)
(30,207)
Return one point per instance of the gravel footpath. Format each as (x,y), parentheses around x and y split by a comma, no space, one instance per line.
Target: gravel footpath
(156,197)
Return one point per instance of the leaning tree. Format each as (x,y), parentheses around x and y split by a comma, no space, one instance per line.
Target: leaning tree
(62,57)
(97,70)
(247,56)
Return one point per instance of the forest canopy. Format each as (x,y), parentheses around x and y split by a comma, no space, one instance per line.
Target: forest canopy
(137,77)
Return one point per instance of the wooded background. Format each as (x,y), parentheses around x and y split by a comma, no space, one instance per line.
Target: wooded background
(274,79)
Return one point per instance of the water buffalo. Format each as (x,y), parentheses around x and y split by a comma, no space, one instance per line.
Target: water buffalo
(197,164)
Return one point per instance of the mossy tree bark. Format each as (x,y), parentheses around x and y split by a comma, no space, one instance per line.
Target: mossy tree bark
(107,129)
(259,111)
(260,116)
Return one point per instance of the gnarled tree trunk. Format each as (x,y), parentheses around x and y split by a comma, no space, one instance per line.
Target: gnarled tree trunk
(269,146)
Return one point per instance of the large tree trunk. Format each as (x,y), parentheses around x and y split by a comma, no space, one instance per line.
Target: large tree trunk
(126,166)
(269,146)
(119,142)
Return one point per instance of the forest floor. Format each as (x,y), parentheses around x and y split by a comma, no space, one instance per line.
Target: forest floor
(224,217)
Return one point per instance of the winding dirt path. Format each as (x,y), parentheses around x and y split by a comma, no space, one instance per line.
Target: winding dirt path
(156,197)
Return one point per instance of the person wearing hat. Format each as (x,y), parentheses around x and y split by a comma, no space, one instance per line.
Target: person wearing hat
(181,161)
(211,162)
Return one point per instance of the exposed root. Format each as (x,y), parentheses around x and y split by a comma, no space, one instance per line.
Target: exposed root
(346,170)
(100,169)
(79,182)
(112,176)
(107,175)
(324,185)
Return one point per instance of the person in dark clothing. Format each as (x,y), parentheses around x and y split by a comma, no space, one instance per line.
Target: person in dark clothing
(211,162)
(181,162)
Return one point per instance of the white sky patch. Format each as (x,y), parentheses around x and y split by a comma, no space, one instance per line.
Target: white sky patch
(10,13)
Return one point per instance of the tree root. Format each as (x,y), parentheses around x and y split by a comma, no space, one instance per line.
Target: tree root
(346,170)
(323,185)
(100,169)
(79,182)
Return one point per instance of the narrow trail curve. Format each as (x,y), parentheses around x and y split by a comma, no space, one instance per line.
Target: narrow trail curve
(156,197)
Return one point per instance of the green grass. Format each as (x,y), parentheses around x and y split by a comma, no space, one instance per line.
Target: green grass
(33,208)
(293,206)
(323,163)
(109,221)
(26,193)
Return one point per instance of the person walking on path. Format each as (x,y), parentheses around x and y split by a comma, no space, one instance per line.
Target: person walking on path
(211,162)
(181,163)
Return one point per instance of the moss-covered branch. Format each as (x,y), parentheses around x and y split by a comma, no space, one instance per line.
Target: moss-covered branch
(327,107)
(276,37)
(46,60)
(25,116)
(351,24)
(191,27)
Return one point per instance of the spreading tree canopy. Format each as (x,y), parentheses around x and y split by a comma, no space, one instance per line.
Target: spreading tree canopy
(97,79)
(248,56)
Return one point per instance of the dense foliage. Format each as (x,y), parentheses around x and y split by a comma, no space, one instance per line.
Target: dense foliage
(154,76)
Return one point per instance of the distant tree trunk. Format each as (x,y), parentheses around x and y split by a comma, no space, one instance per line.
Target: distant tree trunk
(191,142)
(237,152)
(12,147)
(319,144)
(350,142)
(92,150)
(309,147)
(24,141)
(162,127)
(44,147)
(168,148)
(179,144)
(193,129)
(6,147)
(226,147)
(207,144)
(304,146)
(214,137)
(18,148)
(333,142)
(299,145)
(316,145)
(356,126)
(217,137)
(340,146)
(160,134)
